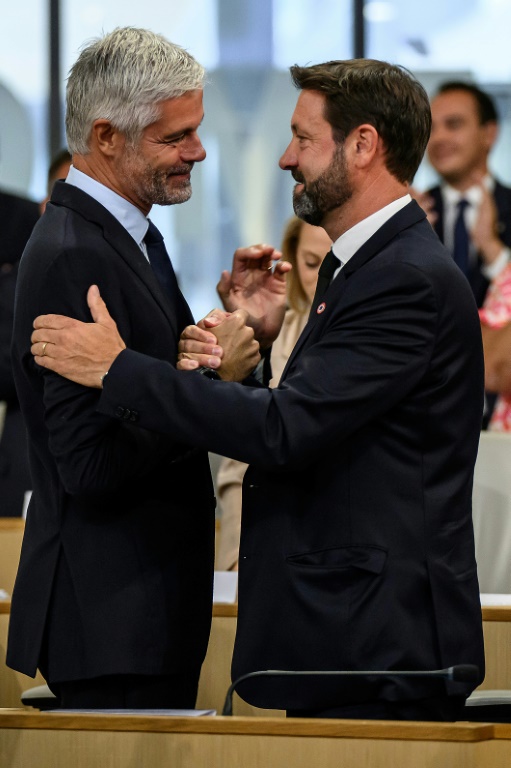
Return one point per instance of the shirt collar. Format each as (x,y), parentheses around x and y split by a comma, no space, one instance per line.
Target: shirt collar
(349,242)
(472,195)
(127,214)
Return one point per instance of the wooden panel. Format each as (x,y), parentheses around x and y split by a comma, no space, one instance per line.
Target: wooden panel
(497,642)
(11,535)
(496,613)
(357,729)
(57,741)
(12,684)
(56,749)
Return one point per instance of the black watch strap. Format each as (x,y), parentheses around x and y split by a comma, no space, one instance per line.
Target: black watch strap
(210,373)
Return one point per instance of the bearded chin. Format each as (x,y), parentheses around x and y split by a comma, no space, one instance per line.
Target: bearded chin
(307,209)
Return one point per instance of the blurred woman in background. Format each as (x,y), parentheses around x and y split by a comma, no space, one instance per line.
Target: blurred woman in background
(305,247)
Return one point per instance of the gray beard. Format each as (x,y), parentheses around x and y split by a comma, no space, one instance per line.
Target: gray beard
(152,189)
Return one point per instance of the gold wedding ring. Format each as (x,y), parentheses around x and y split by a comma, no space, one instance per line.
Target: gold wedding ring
(44,349)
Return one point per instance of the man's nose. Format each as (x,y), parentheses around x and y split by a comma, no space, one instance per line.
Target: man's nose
(288,159)
(193,152)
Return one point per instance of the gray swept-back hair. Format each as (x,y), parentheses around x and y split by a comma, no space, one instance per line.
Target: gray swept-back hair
(122,77)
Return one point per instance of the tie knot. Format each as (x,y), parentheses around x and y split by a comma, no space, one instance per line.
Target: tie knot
(153,234)
(328,266)
(462,205)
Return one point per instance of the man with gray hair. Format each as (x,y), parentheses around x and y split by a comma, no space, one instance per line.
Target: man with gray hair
(113,595)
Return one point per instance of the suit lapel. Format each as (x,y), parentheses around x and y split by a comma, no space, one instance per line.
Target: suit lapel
(123,244)
(408,216)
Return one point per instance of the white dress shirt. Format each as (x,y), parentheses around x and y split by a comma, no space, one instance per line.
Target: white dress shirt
(127,214)
(473,196)
(350,241)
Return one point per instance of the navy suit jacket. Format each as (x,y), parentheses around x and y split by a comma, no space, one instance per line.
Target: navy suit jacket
(116,566)
(502,195)
(357,547)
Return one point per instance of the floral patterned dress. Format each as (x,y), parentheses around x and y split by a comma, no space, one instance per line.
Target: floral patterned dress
(495,313)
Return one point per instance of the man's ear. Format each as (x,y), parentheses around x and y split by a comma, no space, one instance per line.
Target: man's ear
(107,139)
(366,142)
(491,131)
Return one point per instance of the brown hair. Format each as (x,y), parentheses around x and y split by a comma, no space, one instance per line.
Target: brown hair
(296,296)
(387,97)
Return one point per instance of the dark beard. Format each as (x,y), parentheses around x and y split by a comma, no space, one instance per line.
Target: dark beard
(332,189)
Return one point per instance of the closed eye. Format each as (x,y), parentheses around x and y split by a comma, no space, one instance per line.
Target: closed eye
(174,139)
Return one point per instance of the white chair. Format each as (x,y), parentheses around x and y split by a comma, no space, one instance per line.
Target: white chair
(39,697)
(492,512)
(488,707)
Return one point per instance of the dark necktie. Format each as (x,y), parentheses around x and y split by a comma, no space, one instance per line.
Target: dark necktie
(326,272)
(164,273)
(461,239)
(160,262)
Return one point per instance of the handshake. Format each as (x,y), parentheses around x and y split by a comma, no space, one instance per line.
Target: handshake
(228,340)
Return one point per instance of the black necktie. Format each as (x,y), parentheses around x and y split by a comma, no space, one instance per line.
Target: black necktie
(160,262)
(461,239)
(326,272)
(164,273)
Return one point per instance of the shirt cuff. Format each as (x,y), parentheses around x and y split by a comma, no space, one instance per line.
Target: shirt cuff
(262,371)
(493,270)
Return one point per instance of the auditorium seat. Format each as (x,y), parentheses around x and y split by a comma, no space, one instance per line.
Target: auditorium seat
(39,697)
(489,707)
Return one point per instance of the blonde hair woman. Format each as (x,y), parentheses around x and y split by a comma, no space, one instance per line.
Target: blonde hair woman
(305,247)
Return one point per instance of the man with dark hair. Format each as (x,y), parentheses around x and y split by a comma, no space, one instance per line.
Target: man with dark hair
(484,103)
(470,210)
(357,549)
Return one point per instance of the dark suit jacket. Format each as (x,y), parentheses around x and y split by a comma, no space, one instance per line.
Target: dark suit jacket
(17,219)
(357,546)
(117,557)
(502,195)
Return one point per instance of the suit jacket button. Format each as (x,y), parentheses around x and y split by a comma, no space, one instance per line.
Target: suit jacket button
(134,416)
(119,411)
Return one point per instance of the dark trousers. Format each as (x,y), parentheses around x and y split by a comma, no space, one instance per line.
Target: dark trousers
(177,691)
(437,709)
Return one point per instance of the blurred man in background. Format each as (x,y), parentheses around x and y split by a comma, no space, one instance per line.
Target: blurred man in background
(470,209)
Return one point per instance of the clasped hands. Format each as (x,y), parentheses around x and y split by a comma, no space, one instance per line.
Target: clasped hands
(254,298)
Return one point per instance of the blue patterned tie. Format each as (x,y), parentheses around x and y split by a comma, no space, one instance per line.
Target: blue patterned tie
(461,239)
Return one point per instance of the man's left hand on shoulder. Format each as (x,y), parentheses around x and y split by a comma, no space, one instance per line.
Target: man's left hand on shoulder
(81,352)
